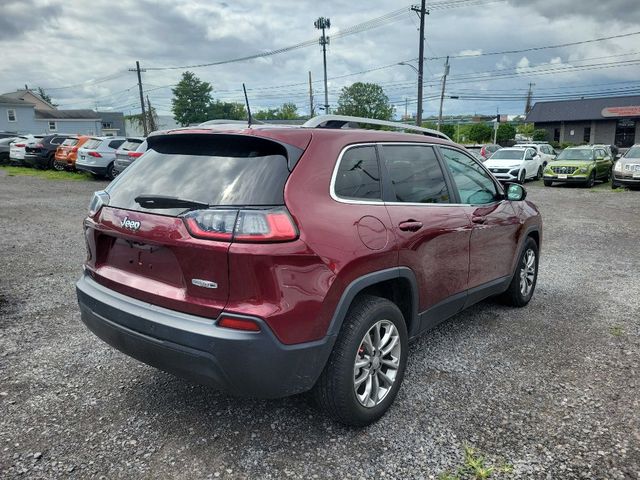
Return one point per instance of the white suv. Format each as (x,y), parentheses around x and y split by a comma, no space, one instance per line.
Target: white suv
(515,164)
(544,150)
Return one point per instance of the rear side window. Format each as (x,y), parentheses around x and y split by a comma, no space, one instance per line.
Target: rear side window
(115,144)
(415,174)
(358,175)
(130,145)
(217,169)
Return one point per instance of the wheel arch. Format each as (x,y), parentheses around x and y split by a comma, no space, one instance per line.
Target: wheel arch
(398,285)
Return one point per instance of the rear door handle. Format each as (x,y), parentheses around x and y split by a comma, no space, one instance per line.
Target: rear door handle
(410,226)
(479,220)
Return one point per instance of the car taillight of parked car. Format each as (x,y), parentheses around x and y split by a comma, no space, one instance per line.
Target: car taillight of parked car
(38,145)
(94,154)
(20,145)
(134,154)
(273,225)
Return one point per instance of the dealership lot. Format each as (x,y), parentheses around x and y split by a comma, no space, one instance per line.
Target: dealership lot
(548,391)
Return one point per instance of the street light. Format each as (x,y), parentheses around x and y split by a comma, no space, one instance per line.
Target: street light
(418,114)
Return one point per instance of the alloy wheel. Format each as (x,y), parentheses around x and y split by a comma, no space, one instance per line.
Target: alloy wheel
(527,272)
(376,364)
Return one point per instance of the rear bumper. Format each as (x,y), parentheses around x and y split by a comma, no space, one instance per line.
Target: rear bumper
(242,363)
(95,169)
(35,160)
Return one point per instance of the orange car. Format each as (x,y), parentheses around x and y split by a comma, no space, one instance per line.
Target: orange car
(67,153)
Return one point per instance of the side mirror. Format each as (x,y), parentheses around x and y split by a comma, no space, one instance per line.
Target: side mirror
(515,192)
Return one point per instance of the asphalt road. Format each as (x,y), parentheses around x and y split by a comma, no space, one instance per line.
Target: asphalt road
(549,391)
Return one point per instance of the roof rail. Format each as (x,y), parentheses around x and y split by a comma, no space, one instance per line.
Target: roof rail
(340,121)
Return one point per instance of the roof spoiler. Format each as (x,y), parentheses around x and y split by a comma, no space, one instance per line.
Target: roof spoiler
(342,121)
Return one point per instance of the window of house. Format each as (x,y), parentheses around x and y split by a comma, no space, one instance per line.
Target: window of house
(52,126)
(587,135)
(107,125)
(475,185)
(415,174)
(358,175)
(11,114)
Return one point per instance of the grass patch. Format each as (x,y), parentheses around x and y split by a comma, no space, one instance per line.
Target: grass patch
(476,467)
(616,331)
(13,171)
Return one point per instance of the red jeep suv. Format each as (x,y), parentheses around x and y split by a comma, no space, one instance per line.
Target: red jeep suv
(268,261)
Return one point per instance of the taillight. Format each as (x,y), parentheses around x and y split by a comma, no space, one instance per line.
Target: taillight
(38,145)
(94,154)
(235,323)
(273,225)
(483,152)
(21,145)
(74,149)
(134,154)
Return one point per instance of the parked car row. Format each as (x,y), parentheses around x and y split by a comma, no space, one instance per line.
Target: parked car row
(96,155)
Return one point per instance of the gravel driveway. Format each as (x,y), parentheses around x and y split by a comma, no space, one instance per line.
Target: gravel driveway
(549,391)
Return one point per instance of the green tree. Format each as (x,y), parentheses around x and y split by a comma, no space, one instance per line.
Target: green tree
(152,120)
(227,111)
(448,130)
(45,96)
(479,132)
(506,131)
(364,100)
(525,129)
(288,111)
(191,102)
(539,135)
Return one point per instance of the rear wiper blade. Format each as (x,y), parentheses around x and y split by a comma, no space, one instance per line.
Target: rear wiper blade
(162,201)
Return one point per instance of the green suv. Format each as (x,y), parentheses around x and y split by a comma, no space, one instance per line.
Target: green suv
(582,165)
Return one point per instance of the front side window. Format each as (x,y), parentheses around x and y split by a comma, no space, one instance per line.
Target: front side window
(358,175)
(11,115)
(475,186)
(415,174)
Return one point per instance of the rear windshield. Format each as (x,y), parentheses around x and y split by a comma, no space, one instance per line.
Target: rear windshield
(92,143)
(220,170)
(508,155)
(130,145)
(70,142)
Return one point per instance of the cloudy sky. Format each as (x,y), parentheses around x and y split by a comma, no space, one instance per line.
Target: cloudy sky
(80,51)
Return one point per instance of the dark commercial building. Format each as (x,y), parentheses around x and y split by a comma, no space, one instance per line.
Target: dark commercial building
(610,121)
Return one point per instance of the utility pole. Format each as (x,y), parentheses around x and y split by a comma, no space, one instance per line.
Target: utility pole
(527,107)
(444,85)
(152,123)
(406,108)
(495,128)
(144,114)
(323,23)
(311,112)
(422,12)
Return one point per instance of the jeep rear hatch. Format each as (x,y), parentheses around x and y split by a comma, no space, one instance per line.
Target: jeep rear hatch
(166,224)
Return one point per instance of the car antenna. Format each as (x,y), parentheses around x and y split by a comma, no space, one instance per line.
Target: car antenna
(246,99)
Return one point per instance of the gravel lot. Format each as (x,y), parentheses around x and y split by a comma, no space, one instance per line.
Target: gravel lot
(552,390)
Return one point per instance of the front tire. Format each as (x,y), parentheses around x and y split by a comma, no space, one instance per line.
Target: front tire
(592,180)
(539,174)
(365,369)
(548,183)
(524,280)
(523,177)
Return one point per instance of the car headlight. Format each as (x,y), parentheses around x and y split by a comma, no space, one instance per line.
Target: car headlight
(617,167)
(583,169)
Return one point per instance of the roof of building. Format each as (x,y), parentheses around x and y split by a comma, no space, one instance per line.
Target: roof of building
(66,115)
(574,110)
(25,94)
(7,100)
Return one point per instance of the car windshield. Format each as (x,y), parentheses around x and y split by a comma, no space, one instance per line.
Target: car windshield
(633,152)
(576,154)
(70,142)
(508,155)
(223,170)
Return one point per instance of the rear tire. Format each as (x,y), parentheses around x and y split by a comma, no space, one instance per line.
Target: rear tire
(524,280)
(354,386)
(539,174)
(110,173)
